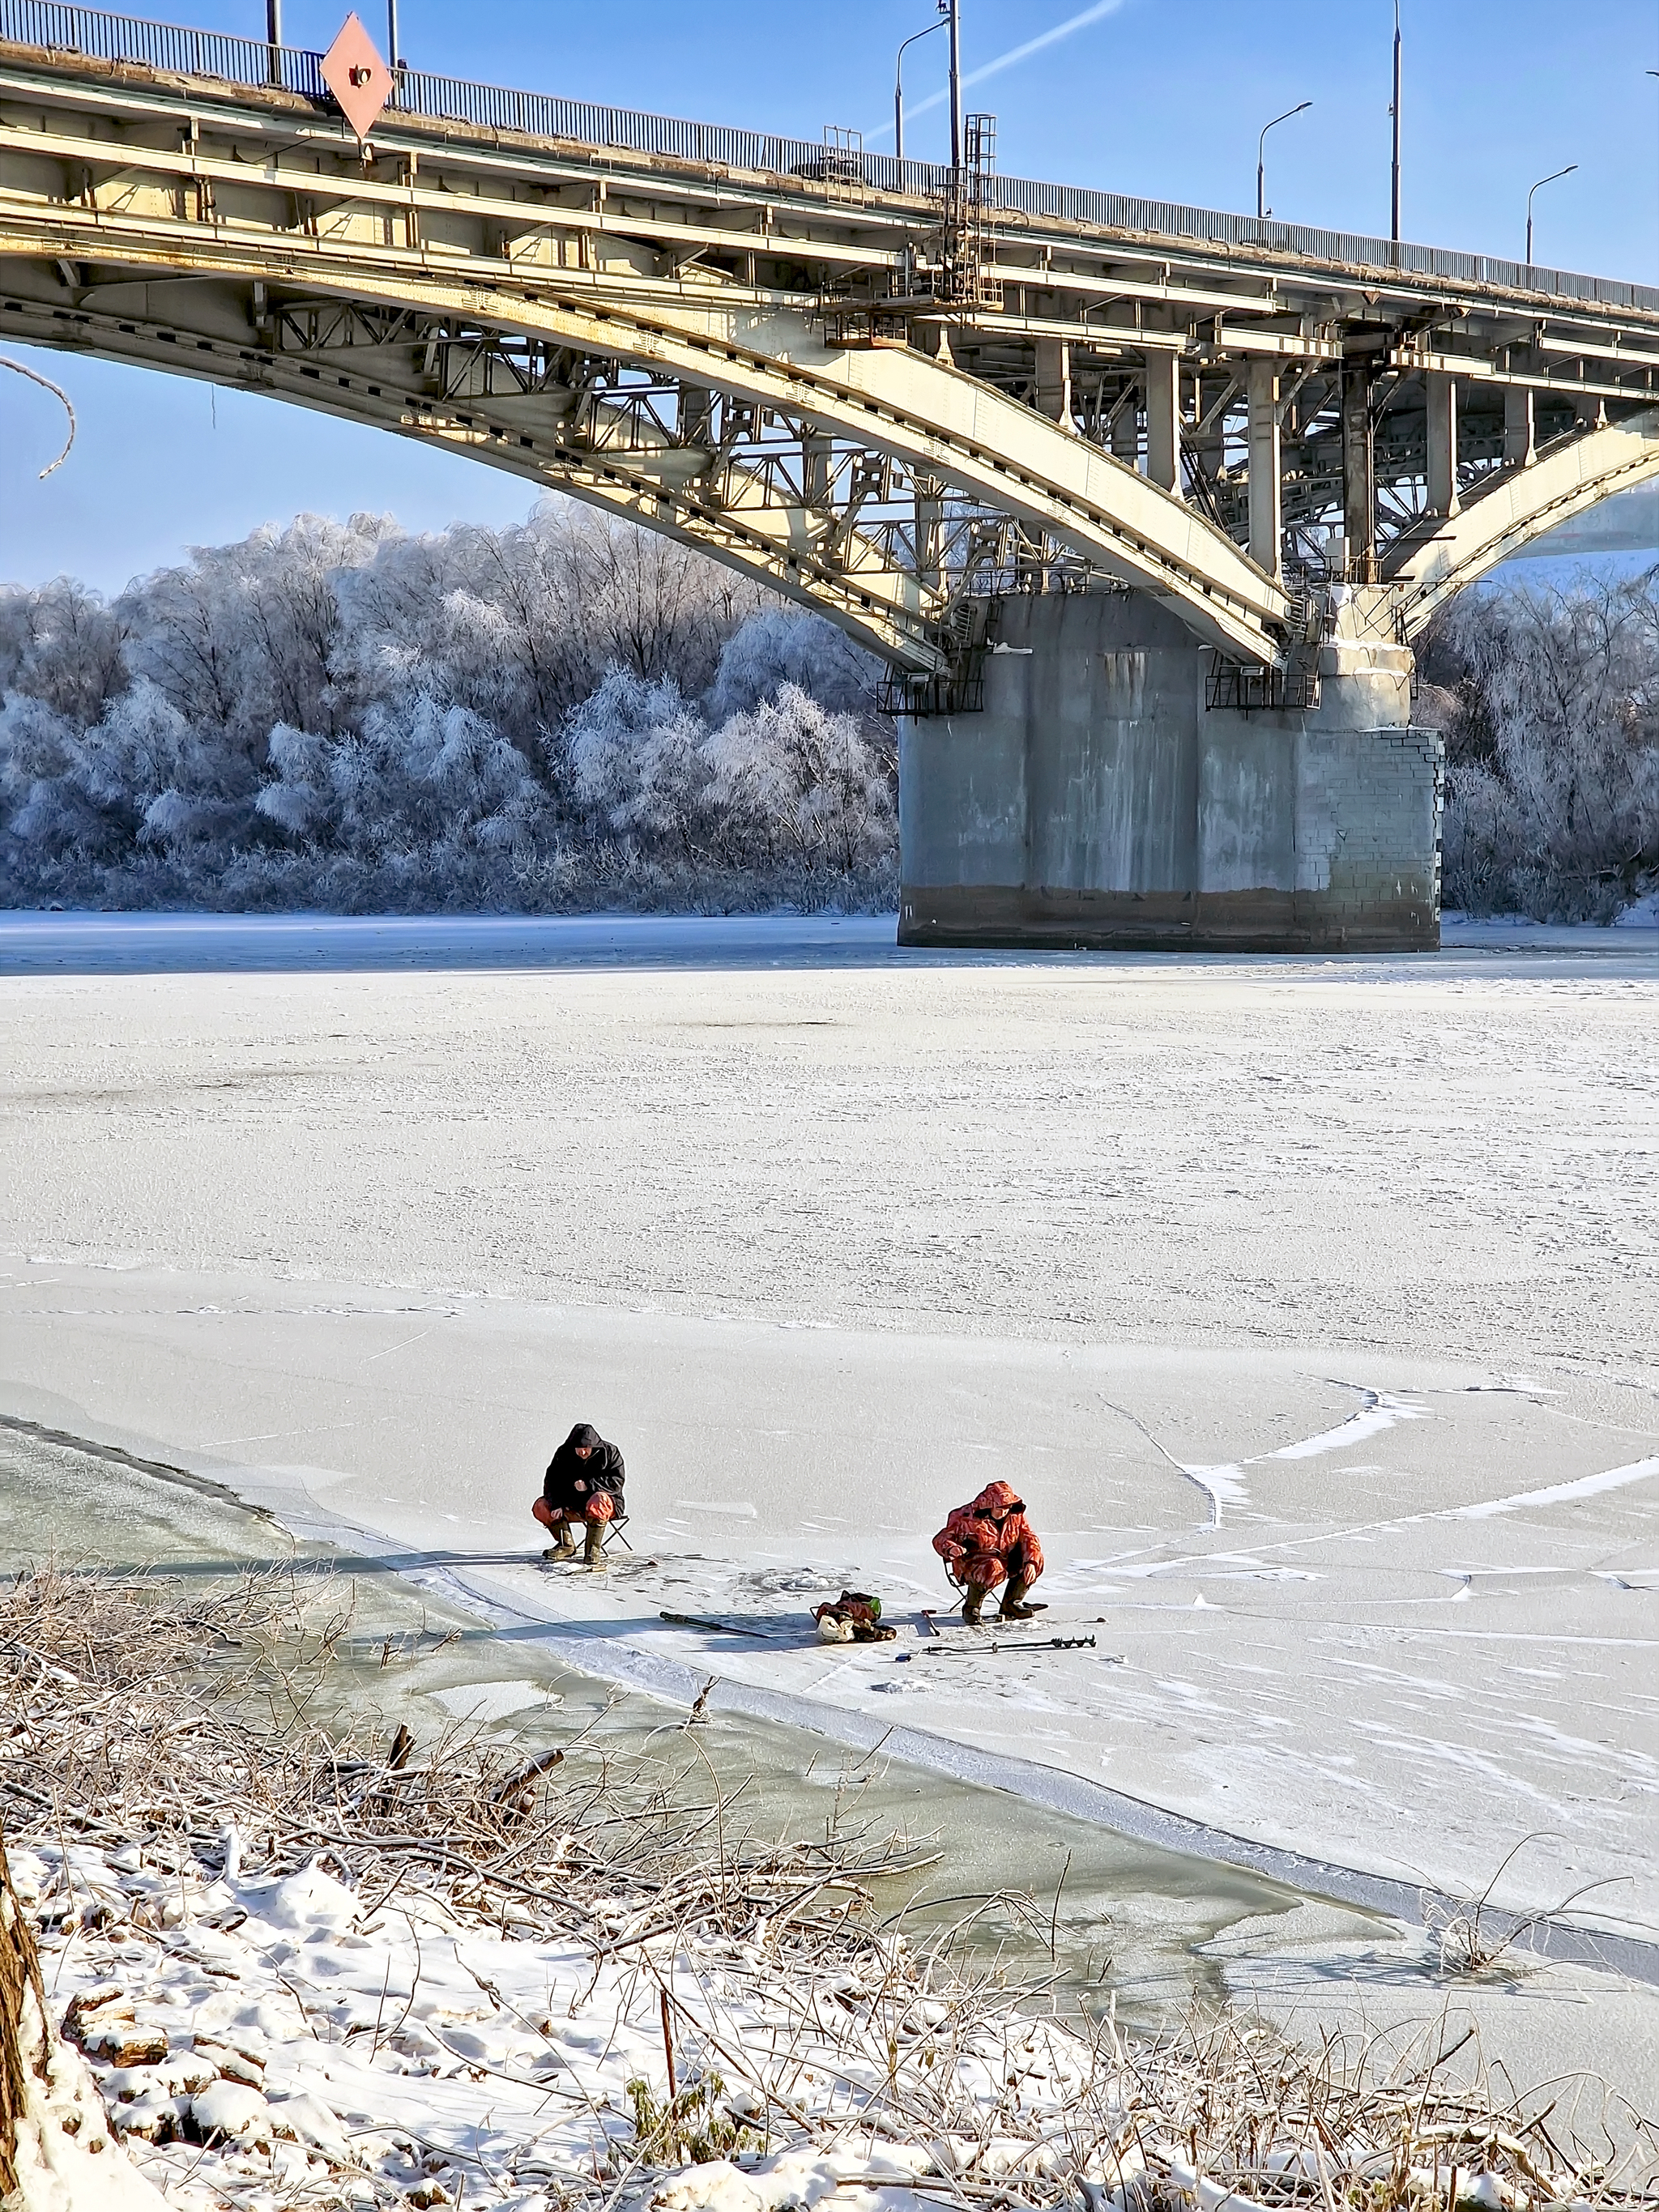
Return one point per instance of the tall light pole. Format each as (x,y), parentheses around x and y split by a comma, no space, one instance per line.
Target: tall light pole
(274,40)
(954,19)
(1262,157)
(392,35)
(1394,196)
(1553,176)
(898,80)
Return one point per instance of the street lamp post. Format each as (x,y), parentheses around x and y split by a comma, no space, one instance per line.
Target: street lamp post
(1553,176)
(1394,112)
(898,80)
(1262,157)
(954,18)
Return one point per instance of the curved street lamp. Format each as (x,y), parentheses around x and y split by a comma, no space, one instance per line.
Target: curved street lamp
(898,80)
(1552,178)
(1262,157)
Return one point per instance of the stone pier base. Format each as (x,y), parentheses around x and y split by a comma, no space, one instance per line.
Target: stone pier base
(1096,801)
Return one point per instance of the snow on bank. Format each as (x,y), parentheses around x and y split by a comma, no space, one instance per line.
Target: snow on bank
(264,2042)
(56,2154)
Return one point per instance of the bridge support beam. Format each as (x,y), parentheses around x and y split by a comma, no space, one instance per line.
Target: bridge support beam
(1440,396)
(1358,472)
(1098,802)
(1265,480)
(1164,422)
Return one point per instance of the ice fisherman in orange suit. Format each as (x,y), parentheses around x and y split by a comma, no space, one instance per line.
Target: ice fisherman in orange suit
(987,1543)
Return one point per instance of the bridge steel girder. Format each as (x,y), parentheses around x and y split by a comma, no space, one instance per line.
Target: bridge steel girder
(930,415)
(1092,403)
(882,610)
(1443,555)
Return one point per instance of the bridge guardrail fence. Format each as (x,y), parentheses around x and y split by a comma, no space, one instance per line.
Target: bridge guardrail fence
(172,48)
(240,61)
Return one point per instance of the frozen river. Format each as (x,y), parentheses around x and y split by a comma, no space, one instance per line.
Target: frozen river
(1311,1304)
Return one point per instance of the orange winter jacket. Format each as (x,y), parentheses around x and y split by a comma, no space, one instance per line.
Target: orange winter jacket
(993,1527)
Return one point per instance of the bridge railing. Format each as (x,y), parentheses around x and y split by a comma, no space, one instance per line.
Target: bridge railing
(170,47)
(180,52)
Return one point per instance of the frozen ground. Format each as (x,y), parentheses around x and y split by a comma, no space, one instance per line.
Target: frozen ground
(1311,1303)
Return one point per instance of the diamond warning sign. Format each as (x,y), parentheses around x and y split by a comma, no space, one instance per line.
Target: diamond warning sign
(358,78)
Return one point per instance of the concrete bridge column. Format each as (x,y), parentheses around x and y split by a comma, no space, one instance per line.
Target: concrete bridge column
(929,496)
(1054,379)
(817,455)
(1097,800)
(1358,472)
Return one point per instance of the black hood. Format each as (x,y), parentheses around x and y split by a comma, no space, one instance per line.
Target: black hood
(584,1433)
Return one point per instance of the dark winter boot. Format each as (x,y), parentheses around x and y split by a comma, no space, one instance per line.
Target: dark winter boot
(593,1556)
(1014,1606)
(971,1606)
(566,1547)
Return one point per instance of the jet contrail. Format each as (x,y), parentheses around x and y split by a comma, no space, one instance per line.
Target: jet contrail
(1079,22)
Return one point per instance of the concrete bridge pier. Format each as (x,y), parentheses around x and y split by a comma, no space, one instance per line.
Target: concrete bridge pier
(1097,800)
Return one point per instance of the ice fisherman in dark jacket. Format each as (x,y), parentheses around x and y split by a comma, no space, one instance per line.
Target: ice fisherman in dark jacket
(583,1482)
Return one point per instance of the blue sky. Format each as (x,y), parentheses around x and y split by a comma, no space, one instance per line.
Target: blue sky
(1159,97)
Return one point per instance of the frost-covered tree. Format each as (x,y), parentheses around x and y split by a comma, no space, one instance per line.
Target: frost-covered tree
(418,776)
(781,645)
(1549,699)
(796,784)
(635,753)
(61,644)
(99,793)
(570,711)
(521,624)
(244,636)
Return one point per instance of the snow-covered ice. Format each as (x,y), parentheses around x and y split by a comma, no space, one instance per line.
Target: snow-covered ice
(1311,1303)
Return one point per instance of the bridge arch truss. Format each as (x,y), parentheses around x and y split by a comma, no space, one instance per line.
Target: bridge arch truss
(799,374)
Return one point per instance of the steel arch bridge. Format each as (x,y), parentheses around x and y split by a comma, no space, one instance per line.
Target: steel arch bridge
(890,391)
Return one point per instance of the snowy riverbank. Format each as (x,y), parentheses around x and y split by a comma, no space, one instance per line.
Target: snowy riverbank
(310,1968)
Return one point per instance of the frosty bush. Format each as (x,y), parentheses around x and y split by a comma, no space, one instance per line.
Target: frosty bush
(568,713)
(788,793)
(1550,703)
